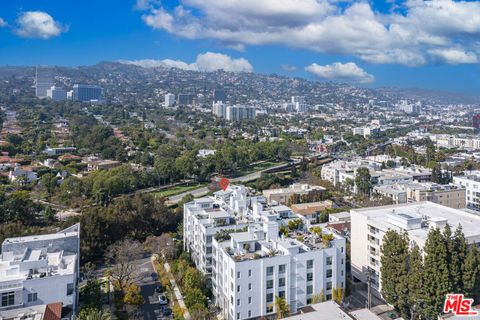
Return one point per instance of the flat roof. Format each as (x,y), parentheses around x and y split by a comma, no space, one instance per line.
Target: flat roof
(328,310)
(379,216)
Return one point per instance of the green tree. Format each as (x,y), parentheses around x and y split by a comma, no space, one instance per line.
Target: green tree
(194,296)
(436,280)
(471,272)
(362,180)
(415,281)
(94,314)
(133,296)
(281,308)
(394,270)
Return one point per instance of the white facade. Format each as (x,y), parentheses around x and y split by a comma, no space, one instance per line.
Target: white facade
(369,225)
(44,80)
(219,109)
(57,93)
(299,104)
(37,270)
(169,100)
(471,182)
(249,263)
(238,113)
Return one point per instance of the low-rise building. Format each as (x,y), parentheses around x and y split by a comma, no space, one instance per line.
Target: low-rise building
(282,195)
(41,269)
(102,164)
(310,212)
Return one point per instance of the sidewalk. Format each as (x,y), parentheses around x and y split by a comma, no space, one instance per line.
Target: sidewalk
(176,291)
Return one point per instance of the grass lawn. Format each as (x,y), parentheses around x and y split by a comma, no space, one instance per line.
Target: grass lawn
(177,190)
(259,167)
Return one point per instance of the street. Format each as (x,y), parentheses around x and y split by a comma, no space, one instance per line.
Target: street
(151,309)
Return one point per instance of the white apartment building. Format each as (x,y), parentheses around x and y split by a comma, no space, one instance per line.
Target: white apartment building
(471,182)
(281,195)
(238,113)
(219,109)
(57,93)
(39,270)
(234,238)
(298,103)
(366,131)
(369,225)
(169,100)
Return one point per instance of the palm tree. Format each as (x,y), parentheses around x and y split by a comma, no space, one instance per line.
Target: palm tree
(281,308)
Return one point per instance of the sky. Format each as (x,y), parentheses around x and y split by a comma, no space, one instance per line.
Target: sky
(405,43)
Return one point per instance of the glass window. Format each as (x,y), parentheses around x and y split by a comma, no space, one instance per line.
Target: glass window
(238,302)
(310,276)
(238,274)
(281,282)
(329,261)
(281,268)
(249,286)
(329,273)
(238,288)
(269,297)
(309,289)
(309,264)
(269,271)
(32,297)
(249,272)
(238,316)
(69,289)
(269,284)
(8,298)
(329,285)
(281,294)
(249,313)
(249,300)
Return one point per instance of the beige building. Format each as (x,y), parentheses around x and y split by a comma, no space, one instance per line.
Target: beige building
(310,212)
(282,195)
(449,195)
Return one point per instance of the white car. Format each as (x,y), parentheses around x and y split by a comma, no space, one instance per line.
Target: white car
(162,299)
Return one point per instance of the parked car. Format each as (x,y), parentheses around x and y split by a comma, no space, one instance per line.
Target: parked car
(162,299)
(166,311)
(159,289)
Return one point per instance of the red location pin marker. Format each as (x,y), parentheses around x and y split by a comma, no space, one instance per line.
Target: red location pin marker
(223,183)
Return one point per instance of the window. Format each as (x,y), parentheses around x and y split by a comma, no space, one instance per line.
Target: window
(238,315)
(329,285)
(329,297)
(281,282)
(249,272)
(329,261)
(310,276)
(8,299)
(309,289)
(249,313)
(281,294)
(32,297)
(231,273)
(281,268)
(269,284)
(269,271)
(269,297)
(69,289)
(270,308)
(309,264)
(249,300)
(238,302)
(329,273)
(238,274)
(209,250)
(238,288)
(341,262)
(249,286)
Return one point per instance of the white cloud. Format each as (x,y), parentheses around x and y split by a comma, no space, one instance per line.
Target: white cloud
(454,56)
(208,61)
(287,67)
(38,24)
(349,72)
(3,23)
(410,38)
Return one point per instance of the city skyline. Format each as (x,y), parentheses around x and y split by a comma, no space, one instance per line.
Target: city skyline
(366,43)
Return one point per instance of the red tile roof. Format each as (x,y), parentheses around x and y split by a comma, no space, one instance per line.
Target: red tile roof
(53,311)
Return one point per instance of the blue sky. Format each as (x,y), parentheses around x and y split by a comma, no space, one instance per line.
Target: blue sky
(378,43)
